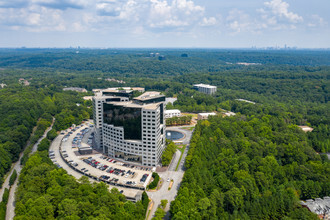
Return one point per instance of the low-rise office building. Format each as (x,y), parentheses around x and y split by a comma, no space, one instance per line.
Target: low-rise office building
(76,89)
(306,128)
(202,116)
(172,113)
(207,89)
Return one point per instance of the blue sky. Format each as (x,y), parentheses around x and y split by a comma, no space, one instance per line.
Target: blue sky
(165,23)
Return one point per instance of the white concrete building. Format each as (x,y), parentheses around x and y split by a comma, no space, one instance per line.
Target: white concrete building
(306,128)
(170,100)
(202,116)
(207,89)
(172,113)
(132,131)
(230,114)
(244,100)
(319,206)
(76,89)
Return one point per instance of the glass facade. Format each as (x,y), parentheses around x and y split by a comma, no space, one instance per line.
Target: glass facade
(121,93)
(161,113)
(128,157)
(128,118)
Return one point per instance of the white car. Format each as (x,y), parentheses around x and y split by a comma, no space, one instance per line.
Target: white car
(168,179)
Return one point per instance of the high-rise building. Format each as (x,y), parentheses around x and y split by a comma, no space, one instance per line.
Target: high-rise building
(130,130)
(207,89)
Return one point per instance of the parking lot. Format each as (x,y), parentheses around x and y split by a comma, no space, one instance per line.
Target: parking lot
(124,176)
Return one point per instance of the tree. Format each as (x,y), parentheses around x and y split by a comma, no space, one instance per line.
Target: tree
(163,203)
(159,214)
(44,145)
(168,153)
(154,183)
(145,200)
(12,177)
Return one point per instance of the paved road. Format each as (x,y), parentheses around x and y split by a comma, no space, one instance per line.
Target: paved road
(163,192)
(11,200)
(187,133)
(175,160)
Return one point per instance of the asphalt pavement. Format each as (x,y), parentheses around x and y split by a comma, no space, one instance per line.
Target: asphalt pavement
(57,144)
(176,176)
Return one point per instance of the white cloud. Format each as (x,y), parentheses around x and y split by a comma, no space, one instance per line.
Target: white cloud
(316,21)
(238,21)
(176,14)
(208,21)
(280,9)
(84,15)
(128,11)
(140,16)
(108,8)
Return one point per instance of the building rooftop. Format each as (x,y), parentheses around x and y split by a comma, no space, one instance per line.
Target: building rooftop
(244,100)
(148,95)
(306,128)
(205,86)
(173,111)
(77,89)
(119,89)
(206,114)
(170,100)
(131,104)
(318,206)
(88,97)
(230,113)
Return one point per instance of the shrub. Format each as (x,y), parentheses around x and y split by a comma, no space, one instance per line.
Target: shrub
(154,183)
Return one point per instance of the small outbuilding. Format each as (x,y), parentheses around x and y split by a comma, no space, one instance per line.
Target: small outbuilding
(202,116)
(306,128)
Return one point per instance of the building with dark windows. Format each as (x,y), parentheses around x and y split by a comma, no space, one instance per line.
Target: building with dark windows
(130,129)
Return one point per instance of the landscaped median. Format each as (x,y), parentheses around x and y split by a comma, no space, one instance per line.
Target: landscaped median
(171,184)
(149,208)
(153,185)
(182,151)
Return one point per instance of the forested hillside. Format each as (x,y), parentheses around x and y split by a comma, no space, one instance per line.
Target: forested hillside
(250,167)
(22,108)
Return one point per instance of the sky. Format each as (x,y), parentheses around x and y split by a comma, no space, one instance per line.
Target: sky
(165,23)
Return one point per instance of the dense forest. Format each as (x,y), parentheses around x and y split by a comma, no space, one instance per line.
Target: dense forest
(22,108)
(256,165)
(250,167)
(46,192)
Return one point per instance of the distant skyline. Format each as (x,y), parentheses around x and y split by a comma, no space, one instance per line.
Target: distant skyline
(165,23)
